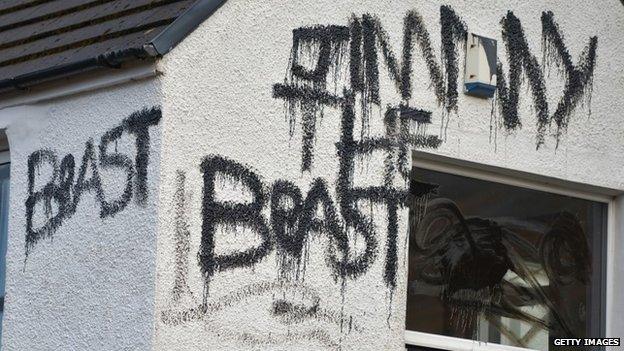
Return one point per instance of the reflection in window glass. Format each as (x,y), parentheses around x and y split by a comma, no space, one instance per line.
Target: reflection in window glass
(504,264)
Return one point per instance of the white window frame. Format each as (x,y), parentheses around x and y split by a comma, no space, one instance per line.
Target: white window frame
(527,180)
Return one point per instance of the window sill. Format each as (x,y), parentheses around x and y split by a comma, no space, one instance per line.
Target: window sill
(455,344)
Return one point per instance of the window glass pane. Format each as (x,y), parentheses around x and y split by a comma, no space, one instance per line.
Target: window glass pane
(504,264)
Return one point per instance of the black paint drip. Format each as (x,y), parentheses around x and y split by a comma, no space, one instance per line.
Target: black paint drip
(306,92)
(290,236)
(329,45)
(578,79)
(182,238)
(366,38)
(231,215)
(454,33)
(369,37)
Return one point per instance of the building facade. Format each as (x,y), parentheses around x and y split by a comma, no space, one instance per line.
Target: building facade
(272,183)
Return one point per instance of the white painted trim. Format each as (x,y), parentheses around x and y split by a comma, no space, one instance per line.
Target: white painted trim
(551,183)
(455,344)
(612,226)
(80,84)
(549,187)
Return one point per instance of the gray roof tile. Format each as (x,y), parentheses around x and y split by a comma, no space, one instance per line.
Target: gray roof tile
(46,35)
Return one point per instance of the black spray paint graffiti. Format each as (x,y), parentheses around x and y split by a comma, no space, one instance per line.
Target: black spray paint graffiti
(290,225)
(373,38)
(467,259)
(182,240)
(294,218)
(307,92)
(578,79)
(66,194)
(299,303)
(289,237)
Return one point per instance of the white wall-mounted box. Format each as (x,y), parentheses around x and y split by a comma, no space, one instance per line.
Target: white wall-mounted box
(480,78)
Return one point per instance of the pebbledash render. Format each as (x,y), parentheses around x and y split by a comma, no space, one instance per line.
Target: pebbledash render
(263,183)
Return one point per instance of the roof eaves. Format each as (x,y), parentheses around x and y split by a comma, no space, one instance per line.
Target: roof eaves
(182,26)
(157,47)
(112,59)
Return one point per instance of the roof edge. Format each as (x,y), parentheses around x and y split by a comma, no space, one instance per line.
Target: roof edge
(173,34)
(112,59)
(182,26)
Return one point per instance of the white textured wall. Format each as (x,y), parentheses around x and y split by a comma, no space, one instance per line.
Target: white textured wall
(90,285)
(218,87)
(132,281)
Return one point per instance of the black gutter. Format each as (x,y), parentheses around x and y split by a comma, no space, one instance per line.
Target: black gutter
(108,60)
(185,24)
(157,47)
(20,82)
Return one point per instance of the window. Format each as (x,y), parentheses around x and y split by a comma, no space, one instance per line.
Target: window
(504,264)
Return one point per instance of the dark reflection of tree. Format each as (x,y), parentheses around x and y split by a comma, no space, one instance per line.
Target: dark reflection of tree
(467,260)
